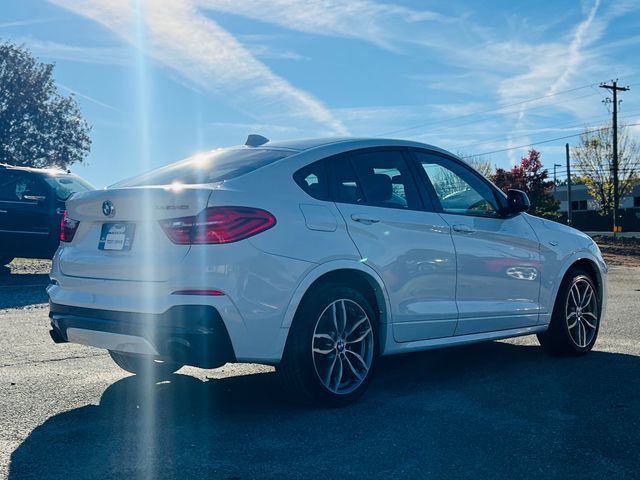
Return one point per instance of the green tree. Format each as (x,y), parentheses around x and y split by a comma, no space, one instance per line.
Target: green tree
(531,178)
(593,158)
(39,127)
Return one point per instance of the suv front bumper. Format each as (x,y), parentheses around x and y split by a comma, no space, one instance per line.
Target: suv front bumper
(187,334)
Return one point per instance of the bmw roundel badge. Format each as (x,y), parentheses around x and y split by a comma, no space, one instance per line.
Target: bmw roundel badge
(108,209)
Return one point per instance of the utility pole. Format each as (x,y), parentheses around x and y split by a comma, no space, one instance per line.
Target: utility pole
(569,205)
(614,167)
(555,184)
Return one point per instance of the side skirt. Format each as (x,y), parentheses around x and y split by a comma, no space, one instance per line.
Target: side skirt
(396,348)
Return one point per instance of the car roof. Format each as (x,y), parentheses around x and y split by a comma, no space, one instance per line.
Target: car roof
(348,143)
(44,171)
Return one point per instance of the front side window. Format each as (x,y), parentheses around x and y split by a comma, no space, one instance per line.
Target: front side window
(458,189)
(385,179)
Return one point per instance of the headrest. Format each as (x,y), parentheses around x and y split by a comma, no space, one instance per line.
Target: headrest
(379,187)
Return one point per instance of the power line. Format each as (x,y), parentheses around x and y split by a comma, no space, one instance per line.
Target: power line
(494,139)
(437,122)
(586,132)
(445,127)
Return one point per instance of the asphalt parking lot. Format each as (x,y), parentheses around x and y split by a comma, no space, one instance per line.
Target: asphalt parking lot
(497,410)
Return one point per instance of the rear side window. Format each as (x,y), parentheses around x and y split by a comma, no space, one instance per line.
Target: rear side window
(346,184)
(65,186)
(216,166)
(20,187)
(313,179)
(8,186)
(382,178)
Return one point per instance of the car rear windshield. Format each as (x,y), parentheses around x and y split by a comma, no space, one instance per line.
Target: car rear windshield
(66,185)
(210,167)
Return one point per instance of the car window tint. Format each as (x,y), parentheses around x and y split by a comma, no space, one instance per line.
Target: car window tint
(31,186)
(458,189)
(386,179)
(14,187)
(313,180)
(346,184)
(210,167)
(7,186)
(67,185)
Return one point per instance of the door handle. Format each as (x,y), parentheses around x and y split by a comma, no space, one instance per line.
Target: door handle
(366,219)
(462,228)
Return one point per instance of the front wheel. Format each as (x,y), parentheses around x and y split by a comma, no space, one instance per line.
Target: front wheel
(144,365)
(332,347)
(575,321)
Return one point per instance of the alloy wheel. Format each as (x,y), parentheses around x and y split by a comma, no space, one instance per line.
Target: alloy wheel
(343,346)
(581,312)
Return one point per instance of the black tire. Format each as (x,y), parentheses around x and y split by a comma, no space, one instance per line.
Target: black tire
(560,339)
(144,365)
(297,370)
(5,260)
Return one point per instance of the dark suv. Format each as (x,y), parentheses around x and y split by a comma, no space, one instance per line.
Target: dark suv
(31,207)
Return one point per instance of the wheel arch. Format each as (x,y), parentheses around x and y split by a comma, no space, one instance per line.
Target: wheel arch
(590,266)
(349,273)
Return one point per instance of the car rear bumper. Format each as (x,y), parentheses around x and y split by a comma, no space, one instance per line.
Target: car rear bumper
(188,334)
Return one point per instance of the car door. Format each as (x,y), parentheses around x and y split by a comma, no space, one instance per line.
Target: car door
(498,256)
(409,246)
(25,225)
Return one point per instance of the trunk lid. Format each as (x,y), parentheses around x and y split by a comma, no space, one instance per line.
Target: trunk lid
(119,236)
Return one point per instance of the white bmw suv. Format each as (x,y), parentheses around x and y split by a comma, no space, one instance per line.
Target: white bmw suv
(317,256)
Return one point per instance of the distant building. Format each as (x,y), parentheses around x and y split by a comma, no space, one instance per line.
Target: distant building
(585,210)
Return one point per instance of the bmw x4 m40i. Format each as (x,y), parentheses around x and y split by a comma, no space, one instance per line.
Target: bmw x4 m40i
(318,257)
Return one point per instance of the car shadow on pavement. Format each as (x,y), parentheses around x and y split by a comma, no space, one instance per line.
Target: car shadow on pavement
(495,410)
(21,290)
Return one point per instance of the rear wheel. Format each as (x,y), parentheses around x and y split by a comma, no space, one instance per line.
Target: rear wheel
(144,365)
(576,317)
(332,347)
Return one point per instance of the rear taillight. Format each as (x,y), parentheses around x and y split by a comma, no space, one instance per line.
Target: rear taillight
(68,227)
(218,225)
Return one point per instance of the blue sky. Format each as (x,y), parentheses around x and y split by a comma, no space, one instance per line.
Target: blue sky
(160,80)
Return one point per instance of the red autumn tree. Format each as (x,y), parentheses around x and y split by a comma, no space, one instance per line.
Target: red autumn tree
(531,178)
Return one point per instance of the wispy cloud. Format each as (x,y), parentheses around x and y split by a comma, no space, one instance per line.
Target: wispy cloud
(28,22)
(269,52)
(584,32)
(262,128)
(46,49)
(379,23)
(177,35)
(87,97)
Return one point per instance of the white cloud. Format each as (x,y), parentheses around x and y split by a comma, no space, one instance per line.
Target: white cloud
(46,49)
(379,23)
(262,128)
(28,22)
(269,52)
(586,32)
(177,35)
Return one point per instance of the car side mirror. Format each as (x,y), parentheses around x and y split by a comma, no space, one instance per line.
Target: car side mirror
(518,201)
